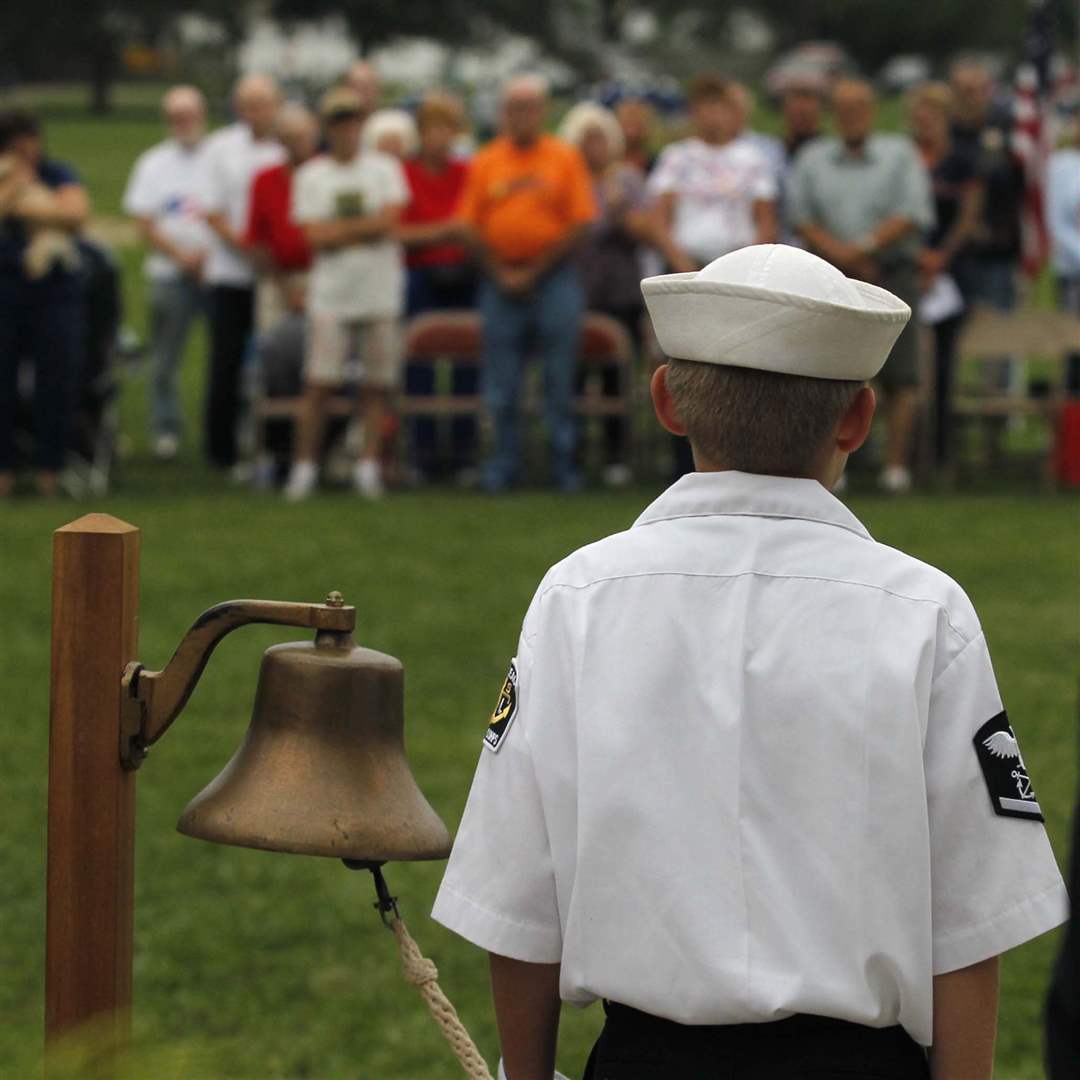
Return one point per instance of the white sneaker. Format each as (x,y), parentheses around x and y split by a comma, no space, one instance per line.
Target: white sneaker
(617,475)
(166,447)
(367,477)
(895,479)
(303,476)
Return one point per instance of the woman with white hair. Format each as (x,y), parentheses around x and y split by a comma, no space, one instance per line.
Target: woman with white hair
(609,256)
(391,131)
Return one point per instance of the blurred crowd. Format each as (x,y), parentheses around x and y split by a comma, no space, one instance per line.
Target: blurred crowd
(308,238)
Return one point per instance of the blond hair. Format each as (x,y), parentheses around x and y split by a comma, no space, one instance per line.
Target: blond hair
(937,95)
(440,107)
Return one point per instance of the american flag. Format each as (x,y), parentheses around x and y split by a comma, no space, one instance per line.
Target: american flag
(1030,138)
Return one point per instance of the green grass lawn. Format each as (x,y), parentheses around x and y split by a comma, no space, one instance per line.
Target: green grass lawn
(253,964)
(250,964)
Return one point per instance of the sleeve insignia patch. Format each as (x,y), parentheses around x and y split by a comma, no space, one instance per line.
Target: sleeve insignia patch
(1004,771)
(505,710)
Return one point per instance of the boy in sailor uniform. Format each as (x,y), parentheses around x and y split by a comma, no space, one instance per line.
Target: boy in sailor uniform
(750,780)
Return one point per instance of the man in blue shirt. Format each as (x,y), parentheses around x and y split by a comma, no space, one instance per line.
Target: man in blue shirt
(40,307)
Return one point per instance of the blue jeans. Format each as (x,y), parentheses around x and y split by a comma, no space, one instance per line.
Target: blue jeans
(992,280)
(549,315)
(174,305)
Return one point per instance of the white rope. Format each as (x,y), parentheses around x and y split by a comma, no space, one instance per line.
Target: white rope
(424,975)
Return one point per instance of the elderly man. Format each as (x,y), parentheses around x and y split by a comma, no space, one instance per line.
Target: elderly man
(362,79)
(233,156)
(861,200)
(162,197)
(527,201)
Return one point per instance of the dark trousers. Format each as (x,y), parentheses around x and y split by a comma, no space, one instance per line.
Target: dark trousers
(1063,1000)
(428,290)
(611,381)
(47,330)
(946,336)
(636,1046)
(232,312)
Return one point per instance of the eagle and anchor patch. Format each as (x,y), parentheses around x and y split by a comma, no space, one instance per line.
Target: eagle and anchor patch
(1004,770)
(505,710)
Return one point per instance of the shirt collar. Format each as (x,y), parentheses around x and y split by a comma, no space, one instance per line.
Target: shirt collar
(866,153)
(703,494)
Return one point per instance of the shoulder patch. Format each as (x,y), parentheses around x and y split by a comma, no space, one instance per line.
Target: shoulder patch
(505,710)
(1004,771)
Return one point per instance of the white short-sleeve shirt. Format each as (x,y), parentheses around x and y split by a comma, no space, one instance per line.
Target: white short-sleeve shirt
(716,188)
(361,281)
(750,763)
(164,186)
(232,159)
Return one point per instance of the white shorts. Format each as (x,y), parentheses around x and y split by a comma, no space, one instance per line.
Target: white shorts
(271,299)
(332,341)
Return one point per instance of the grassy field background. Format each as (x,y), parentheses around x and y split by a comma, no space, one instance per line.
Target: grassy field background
(250,964)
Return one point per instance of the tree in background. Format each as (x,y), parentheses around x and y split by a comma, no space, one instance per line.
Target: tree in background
(55,40)
(58,41)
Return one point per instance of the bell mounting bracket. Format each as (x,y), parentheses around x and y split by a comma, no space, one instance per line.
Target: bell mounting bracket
(153,699)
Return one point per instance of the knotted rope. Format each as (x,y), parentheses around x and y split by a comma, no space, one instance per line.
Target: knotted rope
(423,974)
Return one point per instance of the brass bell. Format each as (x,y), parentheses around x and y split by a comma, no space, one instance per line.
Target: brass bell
(322,769)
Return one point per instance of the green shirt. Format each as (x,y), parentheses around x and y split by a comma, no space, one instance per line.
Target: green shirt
(851,194)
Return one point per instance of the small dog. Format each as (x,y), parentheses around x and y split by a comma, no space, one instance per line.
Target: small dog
(47,246)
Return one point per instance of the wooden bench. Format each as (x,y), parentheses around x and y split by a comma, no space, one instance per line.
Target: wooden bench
(988,337)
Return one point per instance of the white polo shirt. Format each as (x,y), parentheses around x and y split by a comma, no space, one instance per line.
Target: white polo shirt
(231,160)
(749,763)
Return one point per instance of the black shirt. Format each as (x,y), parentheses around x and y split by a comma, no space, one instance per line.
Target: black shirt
(950,179)
(1002,174)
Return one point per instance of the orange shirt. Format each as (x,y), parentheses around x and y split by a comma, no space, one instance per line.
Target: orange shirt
(523,202)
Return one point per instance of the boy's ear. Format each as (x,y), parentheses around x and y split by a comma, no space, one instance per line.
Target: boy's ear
(662,402)
(854,426)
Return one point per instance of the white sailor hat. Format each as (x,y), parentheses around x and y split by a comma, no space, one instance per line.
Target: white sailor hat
(776,308)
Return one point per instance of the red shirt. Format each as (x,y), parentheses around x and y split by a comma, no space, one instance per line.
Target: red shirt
(270,223)
(435,198)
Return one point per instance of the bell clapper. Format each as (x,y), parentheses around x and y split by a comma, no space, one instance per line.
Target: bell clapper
(424,975)
(385,904)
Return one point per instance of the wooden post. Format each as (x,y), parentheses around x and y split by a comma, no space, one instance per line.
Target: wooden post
(91,833)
